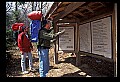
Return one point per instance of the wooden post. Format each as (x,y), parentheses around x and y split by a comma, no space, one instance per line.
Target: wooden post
(114,38)
(78,62)
(77,45)
(56,47)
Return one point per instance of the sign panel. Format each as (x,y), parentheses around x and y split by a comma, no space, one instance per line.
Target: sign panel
(85,37)
(66,40)
(101,37)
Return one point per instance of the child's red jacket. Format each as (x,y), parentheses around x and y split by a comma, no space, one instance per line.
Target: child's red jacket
(24,43)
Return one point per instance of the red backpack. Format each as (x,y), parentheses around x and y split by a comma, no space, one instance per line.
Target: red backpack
(35,15)
(17,26)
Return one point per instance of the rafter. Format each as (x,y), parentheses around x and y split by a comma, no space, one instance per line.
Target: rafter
(71,7)
(102,4)
(60,9)
(88,8)
(81,14)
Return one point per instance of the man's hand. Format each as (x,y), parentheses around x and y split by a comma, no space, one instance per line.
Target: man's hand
(61,32)
(52,40)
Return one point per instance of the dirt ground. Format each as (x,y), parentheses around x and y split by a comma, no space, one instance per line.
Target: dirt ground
(90,67)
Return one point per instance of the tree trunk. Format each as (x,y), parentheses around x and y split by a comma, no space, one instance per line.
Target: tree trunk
(16,9)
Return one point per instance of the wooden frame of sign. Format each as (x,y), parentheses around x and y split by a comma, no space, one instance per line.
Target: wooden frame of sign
(56,47)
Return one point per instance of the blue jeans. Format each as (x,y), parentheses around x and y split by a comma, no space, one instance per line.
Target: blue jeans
(43,61)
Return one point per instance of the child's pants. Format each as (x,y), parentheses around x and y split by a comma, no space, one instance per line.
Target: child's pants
(23,59)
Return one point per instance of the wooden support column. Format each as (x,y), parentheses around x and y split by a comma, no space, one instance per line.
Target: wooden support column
(56,47)
(114,37)
(78,63)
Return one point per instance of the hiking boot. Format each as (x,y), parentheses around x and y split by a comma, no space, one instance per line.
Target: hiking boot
(32,69)
(25,72)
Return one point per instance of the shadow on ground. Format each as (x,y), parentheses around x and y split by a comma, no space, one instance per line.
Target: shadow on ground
(13,66)
(89,65)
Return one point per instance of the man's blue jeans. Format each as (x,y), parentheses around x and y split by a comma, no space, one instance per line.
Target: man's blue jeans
(43,61)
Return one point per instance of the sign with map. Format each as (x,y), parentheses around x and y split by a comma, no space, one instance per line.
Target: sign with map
(101,37)
(85,37)
(66,40)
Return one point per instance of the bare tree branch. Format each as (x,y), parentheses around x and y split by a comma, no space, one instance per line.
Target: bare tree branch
(9,7)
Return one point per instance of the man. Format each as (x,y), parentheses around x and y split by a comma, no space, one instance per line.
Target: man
(25,47)
(45,38)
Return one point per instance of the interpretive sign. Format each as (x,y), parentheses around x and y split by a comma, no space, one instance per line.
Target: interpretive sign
(85,37)
(66,40)
(101,37)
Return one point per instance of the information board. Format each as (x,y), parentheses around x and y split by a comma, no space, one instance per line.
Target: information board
(66,40)
(101,37)
(85,37)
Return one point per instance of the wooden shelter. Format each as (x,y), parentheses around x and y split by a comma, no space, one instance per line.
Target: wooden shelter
(79,13)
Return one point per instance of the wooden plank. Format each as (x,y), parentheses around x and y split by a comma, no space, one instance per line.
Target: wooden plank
(60,9)
(78,60)
(53,9)
(56,47)
(81,14)
(114,38)
(102,4)
(108,13)
(71,7)
(77,12)
(67,20)
(88,8)
(54,14)
(64,3)
(92,3)
(97,7)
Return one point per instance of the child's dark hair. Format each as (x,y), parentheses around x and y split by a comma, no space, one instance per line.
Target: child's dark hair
(23,27)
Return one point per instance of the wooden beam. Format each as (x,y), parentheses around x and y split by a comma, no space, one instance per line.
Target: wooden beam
(114,38)
(67,20)
(88,8)
(60,9)
(55,47)
(66,3)
(54,14)
(81,14)
(92,3)
(53,9)
(102,4)
(83,20)
(78,59)
(71,7)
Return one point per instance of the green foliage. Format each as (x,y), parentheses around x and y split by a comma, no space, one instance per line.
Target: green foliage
(8,32)
(16,15)
(9,37)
